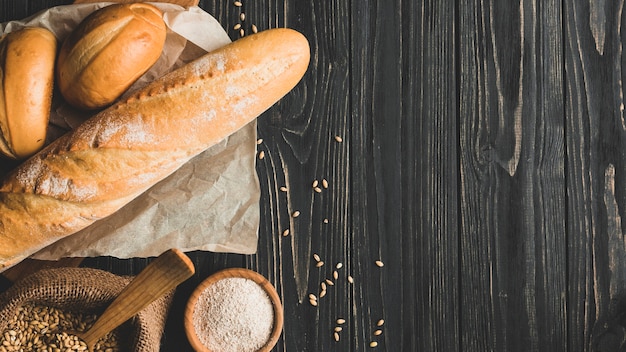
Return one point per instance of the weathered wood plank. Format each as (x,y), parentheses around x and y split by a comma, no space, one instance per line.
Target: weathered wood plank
(405,170)
(596,166)
(513,185)
(299,147)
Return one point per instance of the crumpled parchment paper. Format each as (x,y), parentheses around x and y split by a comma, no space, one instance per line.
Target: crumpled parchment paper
(210,204)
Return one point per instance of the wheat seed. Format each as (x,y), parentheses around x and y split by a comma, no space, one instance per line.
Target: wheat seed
(378,332)
(339,265)
(379,263)
(324,183)
(296,214)
(341,321)
(336,336)
(261,155)
(319,264)
(286,233)
(237,3)
(381,322)
(254,29)
(283,188)
(315,183)
(39,328)
(338,139)
(373,344)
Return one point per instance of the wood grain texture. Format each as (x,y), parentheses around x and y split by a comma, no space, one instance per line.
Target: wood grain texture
(482,160)
(513,224)
(595,117)
(405,172)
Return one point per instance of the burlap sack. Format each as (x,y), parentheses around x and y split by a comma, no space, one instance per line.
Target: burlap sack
(88,291)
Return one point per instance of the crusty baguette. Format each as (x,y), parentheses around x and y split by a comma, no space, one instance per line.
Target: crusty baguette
(27,58)
(113,157)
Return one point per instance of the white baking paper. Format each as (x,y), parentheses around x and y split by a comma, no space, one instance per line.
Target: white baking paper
(211,203)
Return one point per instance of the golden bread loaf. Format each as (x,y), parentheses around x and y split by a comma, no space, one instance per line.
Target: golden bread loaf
(123,150)
(108,51)
(27,59)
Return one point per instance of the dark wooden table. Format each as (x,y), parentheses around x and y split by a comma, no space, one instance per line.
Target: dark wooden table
(483,160)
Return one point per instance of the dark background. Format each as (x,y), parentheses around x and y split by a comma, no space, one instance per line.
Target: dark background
(482,160)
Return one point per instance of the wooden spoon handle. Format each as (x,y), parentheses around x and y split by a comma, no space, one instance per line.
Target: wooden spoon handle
(159,277)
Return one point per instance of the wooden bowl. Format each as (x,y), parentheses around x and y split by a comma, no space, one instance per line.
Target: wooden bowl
(277,328)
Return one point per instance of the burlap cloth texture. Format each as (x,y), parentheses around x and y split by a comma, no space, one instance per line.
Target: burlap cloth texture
(87,291)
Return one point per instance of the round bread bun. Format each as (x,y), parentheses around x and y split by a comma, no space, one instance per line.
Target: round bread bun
(108,51)
(27,59)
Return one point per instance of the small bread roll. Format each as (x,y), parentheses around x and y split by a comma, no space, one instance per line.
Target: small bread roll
(108,51)
(27,59)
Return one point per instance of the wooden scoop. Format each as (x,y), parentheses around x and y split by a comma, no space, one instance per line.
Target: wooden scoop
(160,276)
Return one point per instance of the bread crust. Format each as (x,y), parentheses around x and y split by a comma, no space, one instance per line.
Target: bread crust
(122,151)
(27,58)
(108,51)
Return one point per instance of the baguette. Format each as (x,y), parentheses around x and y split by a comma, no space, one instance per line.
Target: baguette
(113,157)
